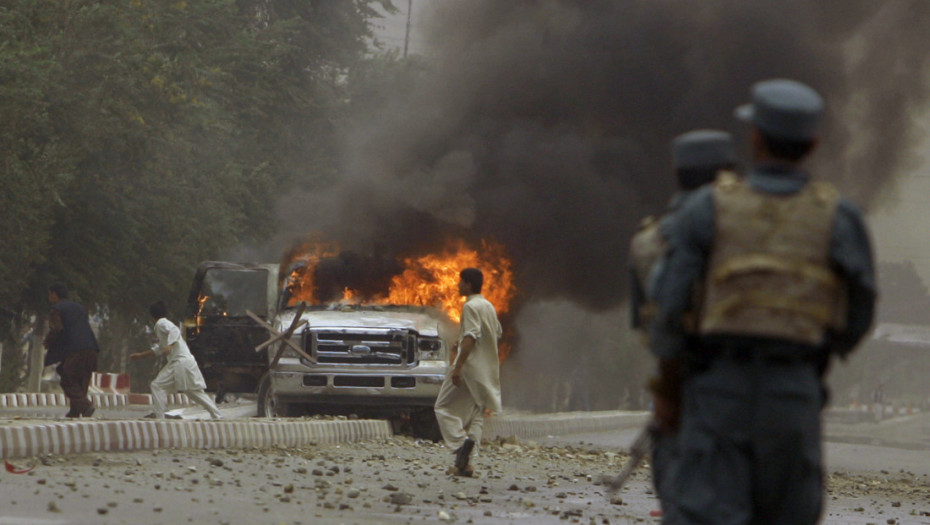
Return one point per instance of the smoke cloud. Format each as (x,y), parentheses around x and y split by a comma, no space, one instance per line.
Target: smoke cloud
(545,124)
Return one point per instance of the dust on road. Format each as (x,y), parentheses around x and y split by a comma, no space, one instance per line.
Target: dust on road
(398,480)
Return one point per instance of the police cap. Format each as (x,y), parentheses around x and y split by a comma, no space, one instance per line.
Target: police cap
(703,148)
(783,109)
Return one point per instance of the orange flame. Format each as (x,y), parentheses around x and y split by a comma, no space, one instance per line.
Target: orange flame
(198,319)
(427,280)
(300,283)
(432,280)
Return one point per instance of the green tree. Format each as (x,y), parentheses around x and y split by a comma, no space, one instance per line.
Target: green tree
(141,137)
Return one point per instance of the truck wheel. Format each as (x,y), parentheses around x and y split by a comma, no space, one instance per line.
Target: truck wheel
(268,403)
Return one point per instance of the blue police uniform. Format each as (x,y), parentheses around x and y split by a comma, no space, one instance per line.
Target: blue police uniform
(749,435)
(697,156)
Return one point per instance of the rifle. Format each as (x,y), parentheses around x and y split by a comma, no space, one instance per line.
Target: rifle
(640,448)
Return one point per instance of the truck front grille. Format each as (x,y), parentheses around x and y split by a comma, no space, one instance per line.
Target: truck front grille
(386,347)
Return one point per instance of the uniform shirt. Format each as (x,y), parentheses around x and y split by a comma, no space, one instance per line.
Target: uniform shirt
(481,371)
(691,236)
(641,285)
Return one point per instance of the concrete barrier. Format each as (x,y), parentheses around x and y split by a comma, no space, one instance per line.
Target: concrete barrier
(20,438)
(76,437)
(102,400)
(109,383)
(539,425)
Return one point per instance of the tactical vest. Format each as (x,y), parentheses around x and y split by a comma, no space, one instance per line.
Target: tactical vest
(769,273)
(646,248)
(77,334)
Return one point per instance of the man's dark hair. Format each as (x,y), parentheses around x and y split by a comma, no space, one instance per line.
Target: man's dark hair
(59,289)
(158,310)
(791,150)
(474,277)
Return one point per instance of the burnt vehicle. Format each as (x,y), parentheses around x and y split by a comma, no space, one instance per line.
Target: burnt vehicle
(371,360)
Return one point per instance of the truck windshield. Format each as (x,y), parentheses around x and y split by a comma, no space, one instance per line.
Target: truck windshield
(228,292)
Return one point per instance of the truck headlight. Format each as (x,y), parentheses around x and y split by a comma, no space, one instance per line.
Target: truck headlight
(429,349)
(288,351)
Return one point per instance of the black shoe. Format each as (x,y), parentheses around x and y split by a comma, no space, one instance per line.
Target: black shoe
(89,411)
(150,415)
(463,454)
(73,414)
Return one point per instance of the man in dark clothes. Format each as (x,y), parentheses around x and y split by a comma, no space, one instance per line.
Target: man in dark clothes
(71,342)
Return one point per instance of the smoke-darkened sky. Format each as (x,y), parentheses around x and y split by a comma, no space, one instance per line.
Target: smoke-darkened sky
(545,124)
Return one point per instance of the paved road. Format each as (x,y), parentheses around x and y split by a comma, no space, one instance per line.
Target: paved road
(878,474)
(391,481)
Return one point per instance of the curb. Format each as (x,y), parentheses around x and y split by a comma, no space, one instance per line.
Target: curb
(112,436)
(104,400)
(32,439)
(535,426)
(25,439)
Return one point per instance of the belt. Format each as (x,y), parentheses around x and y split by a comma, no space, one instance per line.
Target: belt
(768,352)
(753,355)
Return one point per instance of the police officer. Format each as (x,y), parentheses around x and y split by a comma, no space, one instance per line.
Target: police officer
(697,158)
(783,273)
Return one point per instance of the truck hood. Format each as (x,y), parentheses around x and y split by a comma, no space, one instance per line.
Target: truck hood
(424,323)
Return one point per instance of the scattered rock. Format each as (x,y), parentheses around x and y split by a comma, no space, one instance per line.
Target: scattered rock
(400,498)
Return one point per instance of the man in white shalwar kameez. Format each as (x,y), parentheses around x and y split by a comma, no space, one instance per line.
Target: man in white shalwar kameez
(473,383)
(181,373)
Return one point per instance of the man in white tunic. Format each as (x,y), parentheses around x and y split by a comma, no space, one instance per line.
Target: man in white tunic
(473,383)
(181,373)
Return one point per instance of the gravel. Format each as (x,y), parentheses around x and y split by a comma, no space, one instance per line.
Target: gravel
(397,480)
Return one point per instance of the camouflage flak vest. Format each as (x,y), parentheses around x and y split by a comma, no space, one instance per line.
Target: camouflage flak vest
(646,248)
(769,273)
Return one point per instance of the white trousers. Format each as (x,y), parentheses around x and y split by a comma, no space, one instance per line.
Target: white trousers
(458,415)
(165,383)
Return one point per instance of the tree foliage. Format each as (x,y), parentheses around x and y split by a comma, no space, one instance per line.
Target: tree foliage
(142,136)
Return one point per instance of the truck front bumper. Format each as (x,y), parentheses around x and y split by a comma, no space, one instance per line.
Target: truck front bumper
(413,387)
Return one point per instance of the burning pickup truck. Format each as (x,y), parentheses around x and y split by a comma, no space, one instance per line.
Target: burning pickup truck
(373,360)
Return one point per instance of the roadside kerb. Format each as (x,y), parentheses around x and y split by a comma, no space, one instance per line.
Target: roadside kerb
(32,439)
(103,400)
(531,426)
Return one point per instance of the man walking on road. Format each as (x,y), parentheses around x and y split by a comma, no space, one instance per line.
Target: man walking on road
(71,342)
(181,373)
(472,384)
(783,270)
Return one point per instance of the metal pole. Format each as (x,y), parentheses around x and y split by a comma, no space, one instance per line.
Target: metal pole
(407,34)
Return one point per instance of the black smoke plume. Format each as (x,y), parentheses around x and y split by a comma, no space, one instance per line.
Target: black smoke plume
(545,124)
